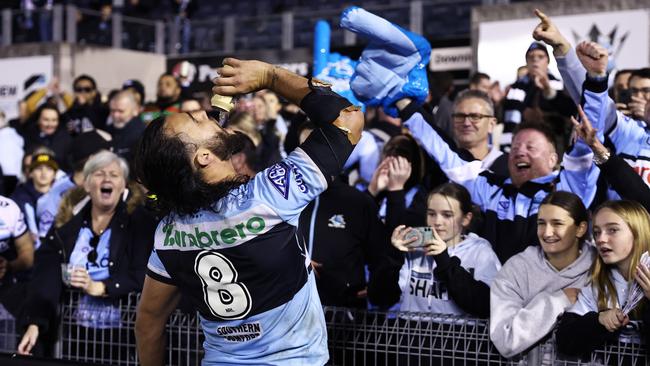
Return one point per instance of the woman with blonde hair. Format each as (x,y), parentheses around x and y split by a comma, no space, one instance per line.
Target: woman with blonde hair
(622,234)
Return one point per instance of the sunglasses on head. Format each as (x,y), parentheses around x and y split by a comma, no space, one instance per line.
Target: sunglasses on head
(92,255)
(81,89)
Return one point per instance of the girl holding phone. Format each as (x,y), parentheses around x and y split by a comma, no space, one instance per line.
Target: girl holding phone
(449,273)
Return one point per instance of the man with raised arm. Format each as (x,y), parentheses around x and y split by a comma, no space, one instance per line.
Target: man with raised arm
(585,68)
(229,243)
(509,204)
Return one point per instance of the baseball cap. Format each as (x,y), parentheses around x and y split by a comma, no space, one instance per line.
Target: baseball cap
(537,46)
(135,85)
(43,159)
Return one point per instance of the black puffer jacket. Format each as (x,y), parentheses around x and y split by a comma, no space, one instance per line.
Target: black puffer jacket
(130,244)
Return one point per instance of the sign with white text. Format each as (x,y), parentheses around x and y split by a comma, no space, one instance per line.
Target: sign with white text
(451,58)
(21,76)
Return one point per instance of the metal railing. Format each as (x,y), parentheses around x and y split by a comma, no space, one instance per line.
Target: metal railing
(84,26)
(355,337)
(439,19)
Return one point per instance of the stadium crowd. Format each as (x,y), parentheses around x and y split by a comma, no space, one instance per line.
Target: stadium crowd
(535,197)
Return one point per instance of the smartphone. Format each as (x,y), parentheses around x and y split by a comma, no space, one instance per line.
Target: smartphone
(624,96)
(423,235)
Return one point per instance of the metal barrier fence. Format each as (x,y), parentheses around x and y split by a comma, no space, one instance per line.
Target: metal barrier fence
(355,338)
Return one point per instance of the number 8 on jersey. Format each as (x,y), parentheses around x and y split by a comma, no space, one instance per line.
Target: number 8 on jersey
(224,296)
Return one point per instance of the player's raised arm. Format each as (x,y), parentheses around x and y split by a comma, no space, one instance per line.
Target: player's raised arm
(319,103)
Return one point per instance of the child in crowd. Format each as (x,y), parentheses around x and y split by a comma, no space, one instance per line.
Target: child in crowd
(42,173)
(452,272)
(622,235)
(537,285)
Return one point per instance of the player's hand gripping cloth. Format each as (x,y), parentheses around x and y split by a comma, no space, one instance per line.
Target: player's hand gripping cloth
(392,66)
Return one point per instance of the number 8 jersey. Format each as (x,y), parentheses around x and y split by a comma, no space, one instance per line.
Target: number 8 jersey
(246,271)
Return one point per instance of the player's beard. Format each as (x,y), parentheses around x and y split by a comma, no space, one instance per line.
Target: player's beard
(222,145)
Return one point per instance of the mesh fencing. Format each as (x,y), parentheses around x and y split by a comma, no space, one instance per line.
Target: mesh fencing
(7,331)
(355,338)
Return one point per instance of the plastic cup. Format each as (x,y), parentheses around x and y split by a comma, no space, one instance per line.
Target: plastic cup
(66,273)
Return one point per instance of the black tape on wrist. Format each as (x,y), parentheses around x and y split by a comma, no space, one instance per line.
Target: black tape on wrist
(322,105)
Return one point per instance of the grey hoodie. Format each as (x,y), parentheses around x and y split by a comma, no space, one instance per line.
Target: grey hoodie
(526,297)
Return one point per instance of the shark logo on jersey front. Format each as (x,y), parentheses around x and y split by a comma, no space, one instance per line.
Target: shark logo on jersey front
(278,175)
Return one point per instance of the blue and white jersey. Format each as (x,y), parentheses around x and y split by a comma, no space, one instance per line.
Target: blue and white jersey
(510,212)
(47,205)
(245,269)
(12,226)
(630,137)
(98,270)
(94,312)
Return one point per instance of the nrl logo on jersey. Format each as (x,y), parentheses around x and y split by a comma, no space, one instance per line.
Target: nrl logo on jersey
(279,175)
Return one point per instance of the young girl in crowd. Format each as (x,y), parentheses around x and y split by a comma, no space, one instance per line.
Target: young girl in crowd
(452,272)
(540,283)
(622,235)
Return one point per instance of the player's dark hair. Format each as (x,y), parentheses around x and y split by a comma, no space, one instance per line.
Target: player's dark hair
(163,166)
